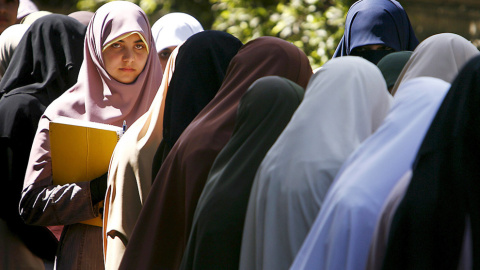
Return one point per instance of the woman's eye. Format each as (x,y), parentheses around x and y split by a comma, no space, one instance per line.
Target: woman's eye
(139,46)
(165,55)
(116,45)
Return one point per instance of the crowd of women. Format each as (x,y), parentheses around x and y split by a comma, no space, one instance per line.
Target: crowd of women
(239,156)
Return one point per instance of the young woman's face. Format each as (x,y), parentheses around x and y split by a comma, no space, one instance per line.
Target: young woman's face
(125,59)
(164,54)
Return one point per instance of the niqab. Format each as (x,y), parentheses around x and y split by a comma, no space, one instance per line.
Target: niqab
(382,22)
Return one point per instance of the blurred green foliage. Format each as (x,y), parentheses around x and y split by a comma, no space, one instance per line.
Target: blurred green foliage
(315,26)
(149,6)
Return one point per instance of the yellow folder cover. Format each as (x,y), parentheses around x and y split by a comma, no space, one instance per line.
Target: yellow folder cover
(81,151)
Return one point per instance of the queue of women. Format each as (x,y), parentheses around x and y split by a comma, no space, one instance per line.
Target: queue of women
(238,156)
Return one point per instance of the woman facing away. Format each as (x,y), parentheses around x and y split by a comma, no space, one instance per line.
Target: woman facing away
(340,235)
(216,235)
(439,56)
(344,103)
(117,82)
(438,214)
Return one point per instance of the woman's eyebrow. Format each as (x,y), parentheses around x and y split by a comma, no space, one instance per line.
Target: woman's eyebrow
(140,40)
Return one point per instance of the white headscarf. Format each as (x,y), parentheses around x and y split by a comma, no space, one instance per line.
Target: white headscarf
(173,29)
(345,102)
(25,7)
(340,237)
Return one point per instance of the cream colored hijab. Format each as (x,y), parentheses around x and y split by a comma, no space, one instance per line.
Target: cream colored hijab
(9,40)
(132,159)
(440,56)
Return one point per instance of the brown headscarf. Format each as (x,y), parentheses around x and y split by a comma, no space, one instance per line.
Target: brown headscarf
(162,230)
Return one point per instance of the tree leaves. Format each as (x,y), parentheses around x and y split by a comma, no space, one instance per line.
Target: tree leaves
(315,26)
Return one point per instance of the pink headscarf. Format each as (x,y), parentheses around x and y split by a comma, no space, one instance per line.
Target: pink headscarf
(97,96)
(82,16)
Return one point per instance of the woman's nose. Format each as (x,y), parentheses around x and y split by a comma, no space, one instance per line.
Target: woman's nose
(128,55)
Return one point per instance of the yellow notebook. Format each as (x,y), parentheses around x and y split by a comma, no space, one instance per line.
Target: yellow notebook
(81,151)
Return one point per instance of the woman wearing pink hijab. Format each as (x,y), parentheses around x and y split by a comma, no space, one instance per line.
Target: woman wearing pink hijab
(118,80)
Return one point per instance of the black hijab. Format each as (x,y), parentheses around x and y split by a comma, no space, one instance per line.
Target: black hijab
(45,64)
(216,235)
(200,67)
(427,231)
(48,60)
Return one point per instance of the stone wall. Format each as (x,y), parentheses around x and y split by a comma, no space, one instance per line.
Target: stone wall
(430,17)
